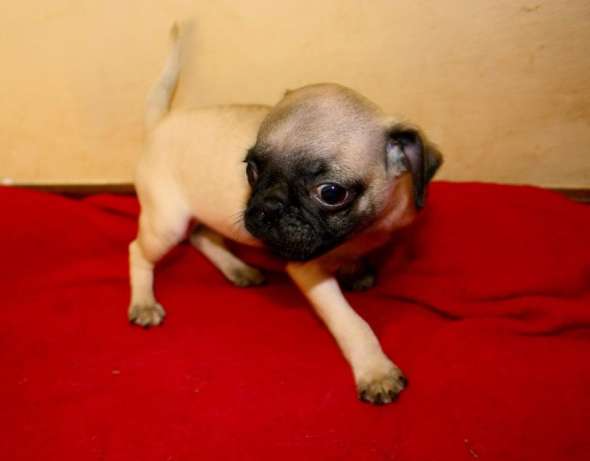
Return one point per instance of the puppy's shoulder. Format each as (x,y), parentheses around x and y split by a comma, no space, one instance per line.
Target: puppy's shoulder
(220,111)
(185,120)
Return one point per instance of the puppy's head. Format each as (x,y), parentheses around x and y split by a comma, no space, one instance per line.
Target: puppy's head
(325,166)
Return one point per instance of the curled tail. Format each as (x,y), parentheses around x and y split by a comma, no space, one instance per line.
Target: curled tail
(160,96)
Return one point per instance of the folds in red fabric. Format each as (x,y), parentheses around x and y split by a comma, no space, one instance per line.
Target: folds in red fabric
(484,303)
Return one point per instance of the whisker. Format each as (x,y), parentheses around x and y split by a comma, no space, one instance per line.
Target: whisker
(238,219)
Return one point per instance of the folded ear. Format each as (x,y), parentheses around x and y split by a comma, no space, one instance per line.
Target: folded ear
(407,149)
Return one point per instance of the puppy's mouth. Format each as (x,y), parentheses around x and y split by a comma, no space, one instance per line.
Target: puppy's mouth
(287,237)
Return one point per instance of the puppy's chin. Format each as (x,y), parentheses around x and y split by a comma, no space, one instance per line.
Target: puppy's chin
(294,254)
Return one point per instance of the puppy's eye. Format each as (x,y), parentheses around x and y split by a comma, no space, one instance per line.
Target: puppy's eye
(252,173)
(332,194)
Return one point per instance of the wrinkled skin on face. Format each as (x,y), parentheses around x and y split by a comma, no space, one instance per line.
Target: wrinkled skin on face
(285,210)
(318,135)
(322,135)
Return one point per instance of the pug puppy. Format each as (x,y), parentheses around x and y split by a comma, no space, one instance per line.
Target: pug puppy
(321,179)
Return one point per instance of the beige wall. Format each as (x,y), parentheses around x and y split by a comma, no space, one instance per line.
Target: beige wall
(503,86)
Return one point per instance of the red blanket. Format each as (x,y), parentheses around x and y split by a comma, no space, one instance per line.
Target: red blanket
(484,303)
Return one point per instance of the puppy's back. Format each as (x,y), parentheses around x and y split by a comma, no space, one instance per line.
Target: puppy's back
(198,155)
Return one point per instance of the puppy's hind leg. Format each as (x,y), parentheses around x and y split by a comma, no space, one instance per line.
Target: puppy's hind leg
(357,276)
(157,234)
(235,270)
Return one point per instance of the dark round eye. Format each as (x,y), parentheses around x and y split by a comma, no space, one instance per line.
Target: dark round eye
(252,173)
(332,194)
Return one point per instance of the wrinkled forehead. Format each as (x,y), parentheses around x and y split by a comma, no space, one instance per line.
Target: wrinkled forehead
(331,129)
(301,166)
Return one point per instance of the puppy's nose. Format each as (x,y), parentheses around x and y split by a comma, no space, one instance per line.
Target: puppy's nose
(271,208)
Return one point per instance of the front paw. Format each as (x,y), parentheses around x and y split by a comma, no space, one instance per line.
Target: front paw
(245,276)
(380,384)
(146,315)
(357,277)
(361,283)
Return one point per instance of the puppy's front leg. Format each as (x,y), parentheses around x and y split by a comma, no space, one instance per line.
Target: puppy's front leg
(235,270)
(378,379)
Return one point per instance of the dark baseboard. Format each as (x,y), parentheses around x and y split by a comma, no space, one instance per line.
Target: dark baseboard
(82,190)
(577,194)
